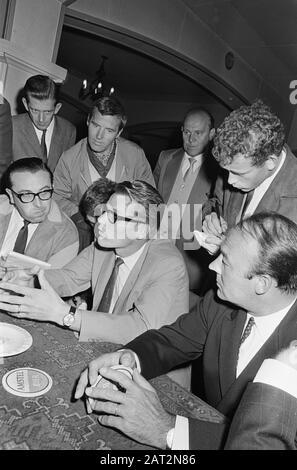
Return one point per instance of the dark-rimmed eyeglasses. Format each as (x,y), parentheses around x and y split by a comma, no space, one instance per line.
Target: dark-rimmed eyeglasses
(29,197)
(113,217)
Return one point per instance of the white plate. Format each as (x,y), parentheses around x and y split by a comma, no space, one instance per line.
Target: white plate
(13,340)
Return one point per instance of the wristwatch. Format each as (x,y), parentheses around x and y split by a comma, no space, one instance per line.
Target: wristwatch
(69,318)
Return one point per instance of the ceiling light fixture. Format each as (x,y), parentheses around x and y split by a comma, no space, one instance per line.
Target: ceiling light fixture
(99,86)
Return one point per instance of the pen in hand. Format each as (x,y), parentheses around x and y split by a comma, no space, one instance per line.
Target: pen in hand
(217,210)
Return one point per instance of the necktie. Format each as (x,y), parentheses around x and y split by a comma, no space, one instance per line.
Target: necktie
(43,146)
(248,199)
(191,161)
(247,330)
(21,241)
(107,294)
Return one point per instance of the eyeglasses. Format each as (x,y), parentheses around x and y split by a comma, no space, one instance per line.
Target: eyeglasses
(29,197)
(113,217)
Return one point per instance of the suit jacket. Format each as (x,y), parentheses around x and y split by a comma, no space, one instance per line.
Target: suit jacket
(55,240)
(165,173)
(72,175)
(212,329)
(26,144)
(5,135)
(281,196)
(266,419)
(155,293)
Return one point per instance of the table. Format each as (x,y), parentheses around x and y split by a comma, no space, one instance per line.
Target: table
(55,420)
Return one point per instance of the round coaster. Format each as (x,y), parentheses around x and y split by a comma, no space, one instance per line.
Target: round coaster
(27,382)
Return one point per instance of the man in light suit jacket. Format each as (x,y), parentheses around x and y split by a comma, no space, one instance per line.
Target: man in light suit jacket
(151,286)
(260,171)
(180,183)
(51,235)
(102,154)
(253,317)
(5,135)
(42,105)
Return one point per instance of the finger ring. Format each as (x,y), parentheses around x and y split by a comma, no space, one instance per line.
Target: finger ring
(116,410)
(19,309)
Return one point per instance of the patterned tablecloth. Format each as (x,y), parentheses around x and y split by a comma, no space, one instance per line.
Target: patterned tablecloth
(55,420)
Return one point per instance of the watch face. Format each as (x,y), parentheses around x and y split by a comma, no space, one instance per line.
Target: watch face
(68,319)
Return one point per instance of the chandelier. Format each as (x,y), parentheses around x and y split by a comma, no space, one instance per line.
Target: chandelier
(99,86)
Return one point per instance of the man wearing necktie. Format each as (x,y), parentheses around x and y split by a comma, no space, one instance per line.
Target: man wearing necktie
(260,171)
(30,221)
(40,132)
(184,177)
(138,281)
(249,319)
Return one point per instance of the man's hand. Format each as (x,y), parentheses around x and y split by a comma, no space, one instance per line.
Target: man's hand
(89,376)
(214,228)
(35,304)
(21,277)
(137,412)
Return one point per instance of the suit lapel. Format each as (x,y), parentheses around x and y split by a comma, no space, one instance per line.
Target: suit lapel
(102,269)
(31,136)
(57,138)
(170,174)
(232,327)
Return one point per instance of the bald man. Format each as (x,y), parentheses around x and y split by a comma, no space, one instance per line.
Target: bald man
(185,176)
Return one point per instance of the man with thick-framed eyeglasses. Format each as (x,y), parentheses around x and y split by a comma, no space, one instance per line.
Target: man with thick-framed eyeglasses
(40,132)
(31,223)
(138,280)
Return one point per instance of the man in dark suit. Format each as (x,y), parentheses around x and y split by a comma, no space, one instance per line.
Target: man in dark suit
(5,135)
(252,318)
(185,176)
(40,132)
(260,171)
(266,418)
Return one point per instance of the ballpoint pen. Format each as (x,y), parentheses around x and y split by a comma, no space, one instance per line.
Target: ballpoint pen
(217,210)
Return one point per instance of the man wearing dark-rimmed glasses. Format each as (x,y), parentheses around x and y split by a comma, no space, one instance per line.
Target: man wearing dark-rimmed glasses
(138,281)
(31,223)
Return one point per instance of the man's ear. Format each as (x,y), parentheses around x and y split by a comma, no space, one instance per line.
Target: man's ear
(263,283)
(58,107)
(271,162)
(9,194)
(212,133)
(24,101)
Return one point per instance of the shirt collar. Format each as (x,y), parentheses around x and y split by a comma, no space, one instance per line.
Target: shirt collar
(131,260)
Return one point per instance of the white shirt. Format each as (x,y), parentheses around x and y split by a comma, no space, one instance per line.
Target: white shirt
(261,189)
(186,163)
(48,134)
(15,224)
(123,274)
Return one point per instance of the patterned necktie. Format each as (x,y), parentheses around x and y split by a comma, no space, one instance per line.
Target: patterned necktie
(108,291)
(189,170)
(247,330)
(247,200)
(43,146)
(21,241)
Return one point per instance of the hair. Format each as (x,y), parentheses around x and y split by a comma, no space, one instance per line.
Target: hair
(111,106)
(30,164)
(98,193)
(252,131)
(144,194)
(276,237)
(200,110)
(41,87)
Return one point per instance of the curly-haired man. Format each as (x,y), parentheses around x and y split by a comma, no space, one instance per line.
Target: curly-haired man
(261,171)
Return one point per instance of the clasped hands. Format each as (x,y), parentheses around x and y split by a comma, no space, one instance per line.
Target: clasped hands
(137,411)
